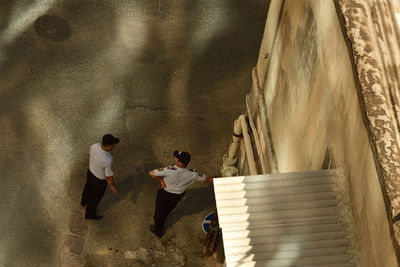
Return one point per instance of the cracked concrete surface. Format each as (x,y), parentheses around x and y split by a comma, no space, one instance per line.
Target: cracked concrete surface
(161,75)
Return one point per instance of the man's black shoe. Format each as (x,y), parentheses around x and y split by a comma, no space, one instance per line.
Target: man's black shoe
(95,217)
(153,231)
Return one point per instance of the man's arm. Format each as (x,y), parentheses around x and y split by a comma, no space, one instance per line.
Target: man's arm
(110,178)
(110,181)
(160,179)
(203,177)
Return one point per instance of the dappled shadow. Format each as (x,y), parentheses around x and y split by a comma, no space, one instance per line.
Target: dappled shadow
(39,153)
(120,71)
(5,13)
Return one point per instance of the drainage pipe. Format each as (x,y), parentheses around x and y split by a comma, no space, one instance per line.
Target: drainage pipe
(240,129)
(255,135)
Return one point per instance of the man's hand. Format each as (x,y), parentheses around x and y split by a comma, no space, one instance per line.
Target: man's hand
(110,181)
(161,179)
(163,185)
(113,189)
(209,179)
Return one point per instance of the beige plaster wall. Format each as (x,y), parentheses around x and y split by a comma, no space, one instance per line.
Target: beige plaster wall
(311,98)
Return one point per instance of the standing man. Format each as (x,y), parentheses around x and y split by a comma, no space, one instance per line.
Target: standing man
(99,174)
(174,181)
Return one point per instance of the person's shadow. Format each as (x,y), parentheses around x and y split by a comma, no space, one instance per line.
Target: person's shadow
(132,183)
(194,201)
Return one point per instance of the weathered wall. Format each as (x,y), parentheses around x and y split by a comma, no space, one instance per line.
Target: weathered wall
(307,83)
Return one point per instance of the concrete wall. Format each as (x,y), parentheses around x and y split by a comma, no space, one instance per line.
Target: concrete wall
(308,88)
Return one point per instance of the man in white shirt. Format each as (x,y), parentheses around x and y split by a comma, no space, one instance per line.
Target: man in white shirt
(99,174)
(174,181)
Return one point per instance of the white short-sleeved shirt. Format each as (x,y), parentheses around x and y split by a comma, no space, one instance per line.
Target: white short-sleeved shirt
(178,179)
(100,162)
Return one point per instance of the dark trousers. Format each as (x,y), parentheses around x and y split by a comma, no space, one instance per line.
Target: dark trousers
(92,193)
(165,203)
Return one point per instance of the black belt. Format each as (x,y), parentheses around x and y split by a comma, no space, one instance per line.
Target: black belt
(94,176)
(180,195)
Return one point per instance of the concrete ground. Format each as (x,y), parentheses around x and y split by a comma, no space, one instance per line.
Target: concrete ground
(161,75)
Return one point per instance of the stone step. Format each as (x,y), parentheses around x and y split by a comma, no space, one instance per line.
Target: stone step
(278,206)
(280,191)
(276,183)
(285,216)
(290,219)
(297,262)
(281,230)
(335,265)
(288,246)
(279,221)
(321,174)
(309,224)
(267,199)
(280,239)
(293,254)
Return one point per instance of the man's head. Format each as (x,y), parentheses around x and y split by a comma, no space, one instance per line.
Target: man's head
(182,157)
(109,142)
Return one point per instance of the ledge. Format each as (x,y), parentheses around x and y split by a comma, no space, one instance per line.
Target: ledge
(372,31)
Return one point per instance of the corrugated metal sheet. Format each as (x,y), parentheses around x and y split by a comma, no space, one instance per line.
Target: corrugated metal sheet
(287,219)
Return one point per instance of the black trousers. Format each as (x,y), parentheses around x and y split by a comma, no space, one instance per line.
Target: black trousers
(165,203)
(92,193)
